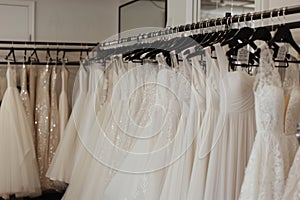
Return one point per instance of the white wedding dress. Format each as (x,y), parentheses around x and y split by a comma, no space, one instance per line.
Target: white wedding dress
(62,164)
(142,165)
(291,84)
(193,101)
(292,188)
(18,171)
(63,105)
(88,169)
(234,133)
(267,166)
(205,135)
(26,102)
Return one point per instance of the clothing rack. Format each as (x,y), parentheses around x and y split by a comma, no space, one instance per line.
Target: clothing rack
(228,20)
(43,46)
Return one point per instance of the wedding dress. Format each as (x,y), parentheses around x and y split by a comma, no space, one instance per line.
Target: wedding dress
(179,172)
(26,102)
(291,84)
(234,133)
(136,166)
(266,171)
(291,88)
(204,138)
(3,83)
(63,102)
(54,118)
(86,139)
(62,164)
(32,87)
(42,122)
(292,188)
(18,171)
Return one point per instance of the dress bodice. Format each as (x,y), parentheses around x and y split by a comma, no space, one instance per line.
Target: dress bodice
(269,96)
(11,77)
(64,79)
(236,88)
(23,79)
(54,76)
(83,75)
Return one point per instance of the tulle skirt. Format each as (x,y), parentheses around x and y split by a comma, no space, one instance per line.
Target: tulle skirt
(18,171)
(62,164)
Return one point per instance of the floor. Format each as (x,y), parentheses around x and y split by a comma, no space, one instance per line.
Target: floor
(46,196)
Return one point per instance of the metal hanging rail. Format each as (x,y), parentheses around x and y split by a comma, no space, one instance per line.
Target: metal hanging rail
(211,23)
(45,43)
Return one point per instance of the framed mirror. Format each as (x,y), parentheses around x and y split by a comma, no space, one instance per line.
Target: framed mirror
(142,13)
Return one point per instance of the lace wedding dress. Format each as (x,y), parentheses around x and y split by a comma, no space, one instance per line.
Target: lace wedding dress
(292,188)
(291,84)
(266,171)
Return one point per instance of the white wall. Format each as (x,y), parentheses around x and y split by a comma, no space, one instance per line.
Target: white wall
(76,20)
(271,4)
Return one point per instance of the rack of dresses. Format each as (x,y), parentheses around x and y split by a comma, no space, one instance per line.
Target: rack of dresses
(200,115)
(37,79)
(208,114)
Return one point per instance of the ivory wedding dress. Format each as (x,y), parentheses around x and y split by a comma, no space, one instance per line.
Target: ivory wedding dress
(26,102)
(62,164)
(63,105)
(234,133)
(204,138)
(266,171)
(18,171)
(179,173)
(291,84)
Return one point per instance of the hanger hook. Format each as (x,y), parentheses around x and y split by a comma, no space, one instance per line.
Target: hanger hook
(216,28)
(278,16)
(271,17)
(227,22)
(251,20)
(245,19)
(239,18)
(207,25)
(283,14)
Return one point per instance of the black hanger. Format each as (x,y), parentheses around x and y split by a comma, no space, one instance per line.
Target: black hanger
(48,56)
(33,57)
(11,52)
(25,56)
(283,34)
